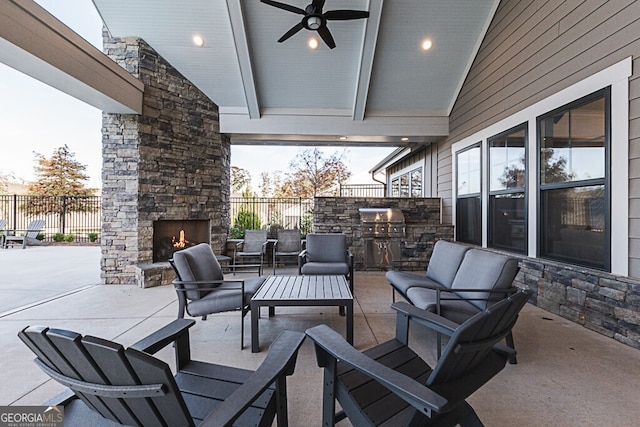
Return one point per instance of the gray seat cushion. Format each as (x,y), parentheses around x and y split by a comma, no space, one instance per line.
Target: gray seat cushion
(325,268)
(483,269)
(225,299)
(455,310)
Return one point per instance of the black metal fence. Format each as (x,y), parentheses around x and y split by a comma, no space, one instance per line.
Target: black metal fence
(251,213)
(66,217)
(362,190)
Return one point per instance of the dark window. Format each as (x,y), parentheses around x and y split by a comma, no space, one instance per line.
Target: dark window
(507,189)
(574,171)
(468,202)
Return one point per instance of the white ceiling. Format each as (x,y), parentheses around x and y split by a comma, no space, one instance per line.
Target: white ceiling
(375,87)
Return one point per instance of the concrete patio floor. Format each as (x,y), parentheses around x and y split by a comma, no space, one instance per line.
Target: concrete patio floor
(566,375)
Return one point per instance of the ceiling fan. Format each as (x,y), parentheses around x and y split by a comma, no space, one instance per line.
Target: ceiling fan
(313,19)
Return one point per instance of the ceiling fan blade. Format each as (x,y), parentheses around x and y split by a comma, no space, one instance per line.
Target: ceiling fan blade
(345,15)
(326,36)
(318,5)
(291,32)
(284,6)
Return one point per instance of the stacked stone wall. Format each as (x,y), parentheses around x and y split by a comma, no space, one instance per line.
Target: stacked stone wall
(169,163)
(422,218)
(599,301)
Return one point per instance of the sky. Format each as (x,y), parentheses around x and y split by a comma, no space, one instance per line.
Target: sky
(36,118)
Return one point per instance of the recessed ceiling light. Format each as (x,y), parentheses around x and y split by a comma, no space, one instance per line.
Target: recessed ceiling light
(198,40)
(404,138)
(313,43)
(426,44)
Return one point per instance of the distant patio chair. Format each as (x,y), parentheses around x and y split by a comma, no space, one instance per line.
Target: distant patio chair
(33,229)
(287,245)
(326,254)
(254,245)
(202,289)
(3,225)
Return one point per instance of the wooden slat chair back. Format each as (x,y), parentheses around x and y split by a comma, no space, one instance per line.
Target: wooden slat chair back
(390,384)
(131,387)
(91,360)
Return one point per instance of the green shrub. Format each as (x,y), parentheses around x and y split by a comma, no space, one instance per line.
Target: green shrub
(236,233)
(92,237)
(247,219)
(58,237)
(69,237)
(40,236)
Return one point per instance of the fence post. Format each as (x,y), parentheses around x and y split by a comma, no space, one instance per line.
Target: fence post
(64,215)
(15,211)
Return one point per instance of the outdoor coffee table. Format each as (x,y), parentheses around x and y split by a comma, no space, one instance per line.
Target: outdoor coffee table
(301,291)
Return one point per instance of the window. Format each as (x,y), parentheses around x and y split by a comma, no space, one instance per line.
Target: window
(468,201)
(407,184)
(507,201)
(574,189)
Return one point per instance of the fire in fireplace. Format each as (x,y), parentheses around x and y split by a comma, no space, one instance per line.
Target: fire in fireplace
(170,236)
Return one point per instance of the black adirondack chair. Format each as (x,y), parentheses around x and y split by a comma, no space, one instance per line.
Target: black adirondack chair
(391,385)
(111,385)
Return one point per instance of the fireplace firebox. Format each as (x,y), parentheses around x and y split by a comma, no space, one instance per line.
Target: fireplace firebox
(170,236)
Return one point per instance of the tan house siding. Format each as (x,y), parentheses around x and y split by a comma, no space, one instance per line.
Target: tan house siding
(534,49)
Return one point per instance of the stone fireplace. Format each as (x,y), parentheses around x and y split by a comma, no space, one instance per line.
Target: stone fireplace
(167,167)
(170,236)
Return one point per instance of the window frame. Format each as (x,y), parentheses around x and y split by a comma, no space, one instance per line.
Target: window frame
(478,194)
(524,190)
(583,183)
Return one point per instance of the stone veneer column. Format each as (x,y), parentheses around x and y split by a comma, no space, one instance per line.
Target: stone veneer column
(170,163)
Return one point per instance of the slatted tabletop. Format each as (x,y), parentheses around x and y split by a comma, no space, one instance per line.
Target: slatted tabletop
(301,291)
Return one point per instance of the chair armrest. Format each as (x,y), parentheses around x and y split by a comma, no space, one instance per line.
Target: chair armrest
(164,336)
(416,394)
(178,283)
(280,361)
(426,318)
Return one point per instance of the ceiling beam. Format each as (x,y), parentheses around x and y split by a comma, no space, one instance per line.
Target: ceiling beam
(369,42)
(36,43)
(236,17)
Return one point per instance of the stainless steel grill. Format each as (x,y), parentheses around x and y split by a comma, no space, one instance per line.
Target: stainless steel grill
(382,229)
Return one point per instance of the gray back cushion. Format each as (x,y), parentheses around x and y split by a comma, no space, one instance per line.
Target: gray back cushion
(482,269)
(445,261)
(197,263)
(326,247)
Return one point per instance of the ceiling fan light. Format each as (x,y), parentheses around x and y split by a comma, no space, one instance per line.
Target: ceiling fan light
(314,22)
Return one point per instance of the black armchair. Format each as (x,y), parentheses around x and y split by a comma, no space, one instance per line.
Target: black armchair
(390,384)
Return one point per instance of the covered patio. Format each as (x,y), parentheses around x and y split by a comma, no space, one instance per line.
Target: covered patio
(166,155)
(566,375)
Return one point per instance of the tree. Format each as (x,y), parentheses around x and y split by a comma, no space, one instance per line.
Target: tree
(240,179)
(61,178)
(270,183)
(59,175)
(5,179)
(313,174)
